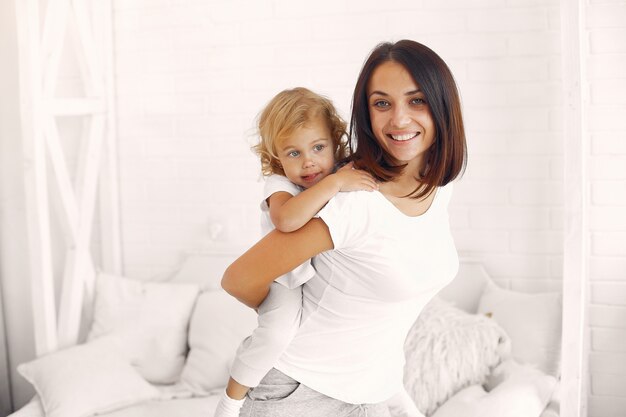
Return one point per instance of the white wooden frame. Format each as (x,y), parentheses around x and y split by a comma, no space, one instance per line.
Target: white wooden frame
(40,48)
(574,383)
(6,403)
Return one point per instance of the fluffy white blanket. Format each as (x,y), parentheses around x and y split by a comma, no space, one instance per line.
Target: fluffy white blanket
(448,349)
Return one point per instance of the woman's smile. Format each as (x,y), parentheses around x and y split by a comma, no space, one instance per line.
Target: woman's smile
(403,137)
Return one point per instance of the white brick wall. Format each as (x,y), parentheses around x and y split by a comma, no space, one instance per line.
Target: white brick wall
(192,76)
(606,25)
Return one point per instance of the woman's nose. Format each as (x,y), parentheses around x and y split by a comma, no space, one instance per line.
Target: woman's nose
(400,117)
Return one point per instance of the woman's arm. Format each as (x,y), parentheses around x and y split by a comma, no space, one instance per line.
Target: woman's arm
(248,278)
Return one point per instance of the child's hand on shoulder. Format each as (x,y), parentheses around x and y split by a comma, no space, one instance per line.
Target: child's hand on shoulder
(350,179)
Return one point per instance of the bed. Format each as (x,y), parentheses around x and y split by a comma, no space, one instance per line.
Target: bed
(163,348)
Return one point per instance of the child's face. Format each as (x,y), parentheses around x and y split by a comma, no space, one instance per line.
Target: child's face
(307,155)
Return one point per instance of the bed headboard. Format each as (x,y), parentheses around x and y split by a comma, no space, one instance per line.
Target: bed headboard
(207,266)
(465,290)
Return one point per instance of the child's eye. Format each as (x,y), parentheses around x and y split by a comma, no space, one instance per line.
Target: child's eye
(318,147)
(293,154)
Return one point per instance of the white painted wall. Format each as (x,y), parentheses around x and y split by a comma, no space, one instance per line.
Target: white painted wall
(192,75)
(606,67)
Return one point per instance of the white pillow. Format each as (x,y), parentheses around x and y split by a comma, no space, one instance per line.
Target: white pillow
(533,321)
(525,392)
(86,380)
(448,349)
(195,267)
(150,317)
(218,326)
(466,288)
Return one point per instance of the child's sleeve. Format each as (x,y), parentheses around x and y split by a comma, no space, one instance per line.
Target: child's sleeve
(276,183)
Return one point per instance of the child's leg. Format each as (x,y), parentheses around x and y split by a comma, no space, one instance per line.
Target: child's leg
(228,407)
(235,390)
(279,319)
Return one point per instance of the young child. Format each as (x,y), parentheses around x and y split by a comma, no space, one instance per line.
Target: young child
(302,139)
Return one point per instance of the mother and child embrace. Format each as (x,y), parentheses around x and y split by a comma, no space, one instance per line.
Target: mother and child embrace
(358,240)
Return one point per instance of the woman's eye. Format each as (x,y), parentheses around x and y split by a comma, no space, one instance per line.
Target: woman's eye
(418,100)
(381,103)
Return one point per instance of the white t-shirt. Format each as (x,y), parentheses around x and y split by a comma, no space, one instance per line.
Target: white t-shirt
(367,293)
(273,184)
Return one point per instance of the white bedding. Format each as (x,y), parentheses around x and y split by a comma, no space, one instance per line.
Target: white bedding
(184,407)
(189,407)
(523,392)
(465,293)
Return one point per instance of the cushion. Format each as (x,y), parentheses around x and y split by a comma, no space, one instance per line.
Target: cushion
(191,407)
(86,380)
(448,349)
(150,317)
(533,321)
(195,266)
(524,392)
(465,290)
(218,326)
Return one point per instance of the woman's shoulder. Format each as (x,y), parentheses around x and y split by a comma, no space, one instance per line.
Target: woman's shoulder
(355,198)
(349,204)
(348,216)
(370,201)
(444,192)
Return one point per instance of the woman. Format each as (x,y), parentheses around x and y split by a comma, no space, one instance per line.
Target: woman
(380,257)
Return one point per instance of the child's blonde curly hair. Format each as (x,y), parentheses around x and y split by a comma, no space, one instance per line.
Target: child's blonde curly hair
(288,111)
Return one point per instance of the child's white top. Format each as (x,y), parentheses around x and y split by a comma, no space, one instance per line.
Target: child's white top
(367,293)
(275,183)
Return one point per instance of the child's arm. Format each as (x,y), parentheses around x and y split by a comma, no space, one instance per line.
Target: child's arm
(289,213)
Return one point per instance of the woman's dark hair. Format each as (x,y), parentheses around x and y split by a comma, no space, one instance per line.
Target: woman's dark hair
(447,156)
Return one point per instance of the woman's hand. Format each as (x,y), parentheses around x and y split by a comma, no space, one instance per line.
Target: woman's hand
(248,278)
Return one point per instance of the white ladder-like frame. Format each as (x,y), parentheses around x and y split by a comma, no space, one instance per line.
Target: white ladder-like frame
(574,386)
(40,48)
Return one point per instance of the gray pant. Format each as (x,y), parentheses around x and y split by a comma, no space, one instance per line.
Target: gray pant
(281,396)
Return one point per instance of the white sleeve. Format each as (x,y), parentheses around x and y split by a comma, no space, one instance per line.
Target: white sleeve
(276,183)
(346,215)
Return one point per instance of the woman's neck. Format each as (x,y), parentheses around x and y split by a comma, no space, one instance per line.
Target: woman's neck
(397,191)
(399,187)
(404,184)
